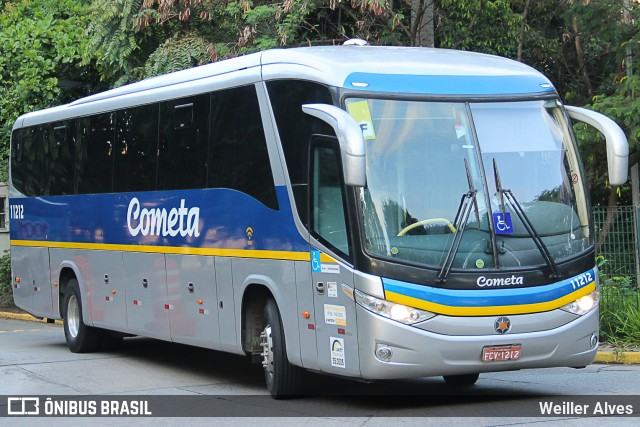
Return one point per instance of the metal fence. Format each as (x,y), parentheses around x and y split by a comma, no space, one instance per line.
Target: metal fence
(616,235)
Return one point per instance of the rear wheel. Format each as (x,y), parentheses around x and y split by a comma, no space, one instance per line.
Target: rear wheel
(283,379)
(80,337)
(461,380)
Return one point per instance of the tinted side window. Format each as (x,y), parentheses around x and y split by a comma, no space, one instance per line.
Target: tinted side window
(136,149)
(327,202)
(238,157)
(59,159)
(184,130)
(94,154)
(27,160)
(295,129)
(18,154)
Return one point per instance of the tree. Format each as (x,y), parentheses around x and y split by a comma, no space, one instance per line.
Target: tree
(134,39)
(488,26)
(423,23)
(41,44)
(604,83)
(580,45)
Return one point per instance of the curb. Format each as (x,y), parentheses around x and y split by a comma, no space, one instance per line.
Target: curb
(25,317)
(622,357)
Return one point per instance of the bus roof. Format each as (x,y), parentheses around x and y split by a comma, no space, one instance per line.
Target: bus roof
(425,71)
(409,70)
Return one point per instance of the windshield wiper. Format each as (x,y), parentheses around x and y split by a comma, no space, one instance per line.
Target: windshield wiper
(517,208)
(467,202)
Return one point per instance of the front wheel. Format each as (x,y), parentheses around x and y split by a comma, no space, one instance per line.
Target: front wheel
(80,337)
(283,379)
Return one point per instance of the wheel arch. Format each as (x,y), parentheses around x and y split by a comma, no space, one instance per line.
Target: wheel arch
(256,290)
(69,270)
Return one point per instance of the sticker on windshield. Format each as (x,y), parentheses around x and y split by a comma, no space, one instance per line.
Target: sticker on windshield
(502,223)
(360,111)
(460,131)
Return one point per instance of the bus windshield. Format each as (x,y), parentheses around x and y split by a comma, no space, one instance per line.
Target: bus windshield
(515,162)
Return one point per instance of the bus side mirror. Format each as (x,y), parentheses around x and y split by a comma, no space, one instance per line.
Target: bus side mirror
(617,146)
(350,138)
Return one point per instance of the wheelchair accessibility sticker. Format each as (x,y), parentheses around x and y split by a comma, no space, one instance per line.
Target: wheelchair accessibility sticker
(502,223)
(317,266)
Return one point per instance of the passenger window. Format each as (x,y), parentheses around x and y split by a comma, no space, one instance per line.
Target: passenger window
(183,150)
(238,156)
(29,165)
(59,159)
(136,149)
(18,174)
(94,154)
(295,129)
(183,116)
(328,213)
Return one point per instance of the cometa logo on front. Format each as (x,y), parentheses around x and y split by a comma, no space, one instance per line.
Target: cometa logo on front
(499,281)
(162,222)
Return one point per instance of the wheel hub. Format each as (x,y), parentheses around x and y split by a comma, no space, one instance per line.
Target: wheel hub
(266,342)
(73,316)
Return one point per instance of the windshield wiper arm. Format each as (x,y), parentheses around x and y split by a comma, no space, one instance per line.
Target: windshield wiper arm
(535,236)
(467,202)
(472,189)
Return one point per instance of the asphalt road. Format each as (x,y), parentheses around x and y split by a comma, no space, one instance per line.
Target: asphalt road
(34,360)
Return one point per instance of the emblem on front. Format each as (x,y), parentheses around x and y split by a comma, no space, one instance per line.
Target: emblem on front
(502,325)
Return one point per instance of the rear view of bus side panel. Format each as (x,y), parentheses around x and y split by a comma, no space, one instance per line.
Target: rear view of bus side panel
(146,294)
(32,286)
(192,302)
(105,285)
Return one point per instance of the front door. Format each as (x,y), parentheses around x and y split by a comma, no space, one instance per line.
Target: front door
(332,279)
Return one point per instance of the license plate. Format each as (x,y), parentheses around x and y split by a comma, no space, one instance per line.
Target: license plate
(501,353)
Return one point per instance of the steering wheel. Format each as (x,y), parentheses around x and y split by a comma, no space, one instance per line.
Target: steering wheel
(427,221)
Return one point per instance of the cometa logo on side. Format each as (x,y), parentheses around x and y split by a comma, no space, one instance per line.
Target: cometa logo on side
(162,222)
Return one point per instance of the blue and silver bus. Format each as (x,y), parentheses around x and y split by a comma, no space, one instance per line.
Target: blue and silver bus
(366,212)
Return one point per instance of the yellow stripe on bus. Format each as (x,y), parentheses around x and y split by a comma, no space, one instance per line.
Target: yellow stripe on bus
(490,310)
(180,250)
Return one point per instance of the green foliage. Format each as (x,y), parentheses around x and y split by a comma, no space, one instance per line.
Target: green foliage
(134,39)
(112,43)
(177,53)
(622,105)
(620,315)
(479,25)
(127,40)
(6,296)
(619,308)
(41,43)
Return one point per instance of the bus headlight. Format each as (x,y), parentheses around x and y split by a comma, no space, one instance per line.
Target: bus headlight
(391,310)
(584,304)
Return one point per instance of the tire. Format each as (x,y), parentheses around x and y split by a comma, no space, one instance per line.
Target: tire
(80,337)
(283,379)
(461,380)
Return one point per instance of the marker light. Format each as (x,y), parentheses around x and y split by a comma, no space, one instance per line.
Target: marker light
(584,304)
(391,310)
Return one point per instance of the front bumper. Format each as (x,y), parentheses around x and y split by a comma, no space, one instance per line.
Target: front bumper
(419,353)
